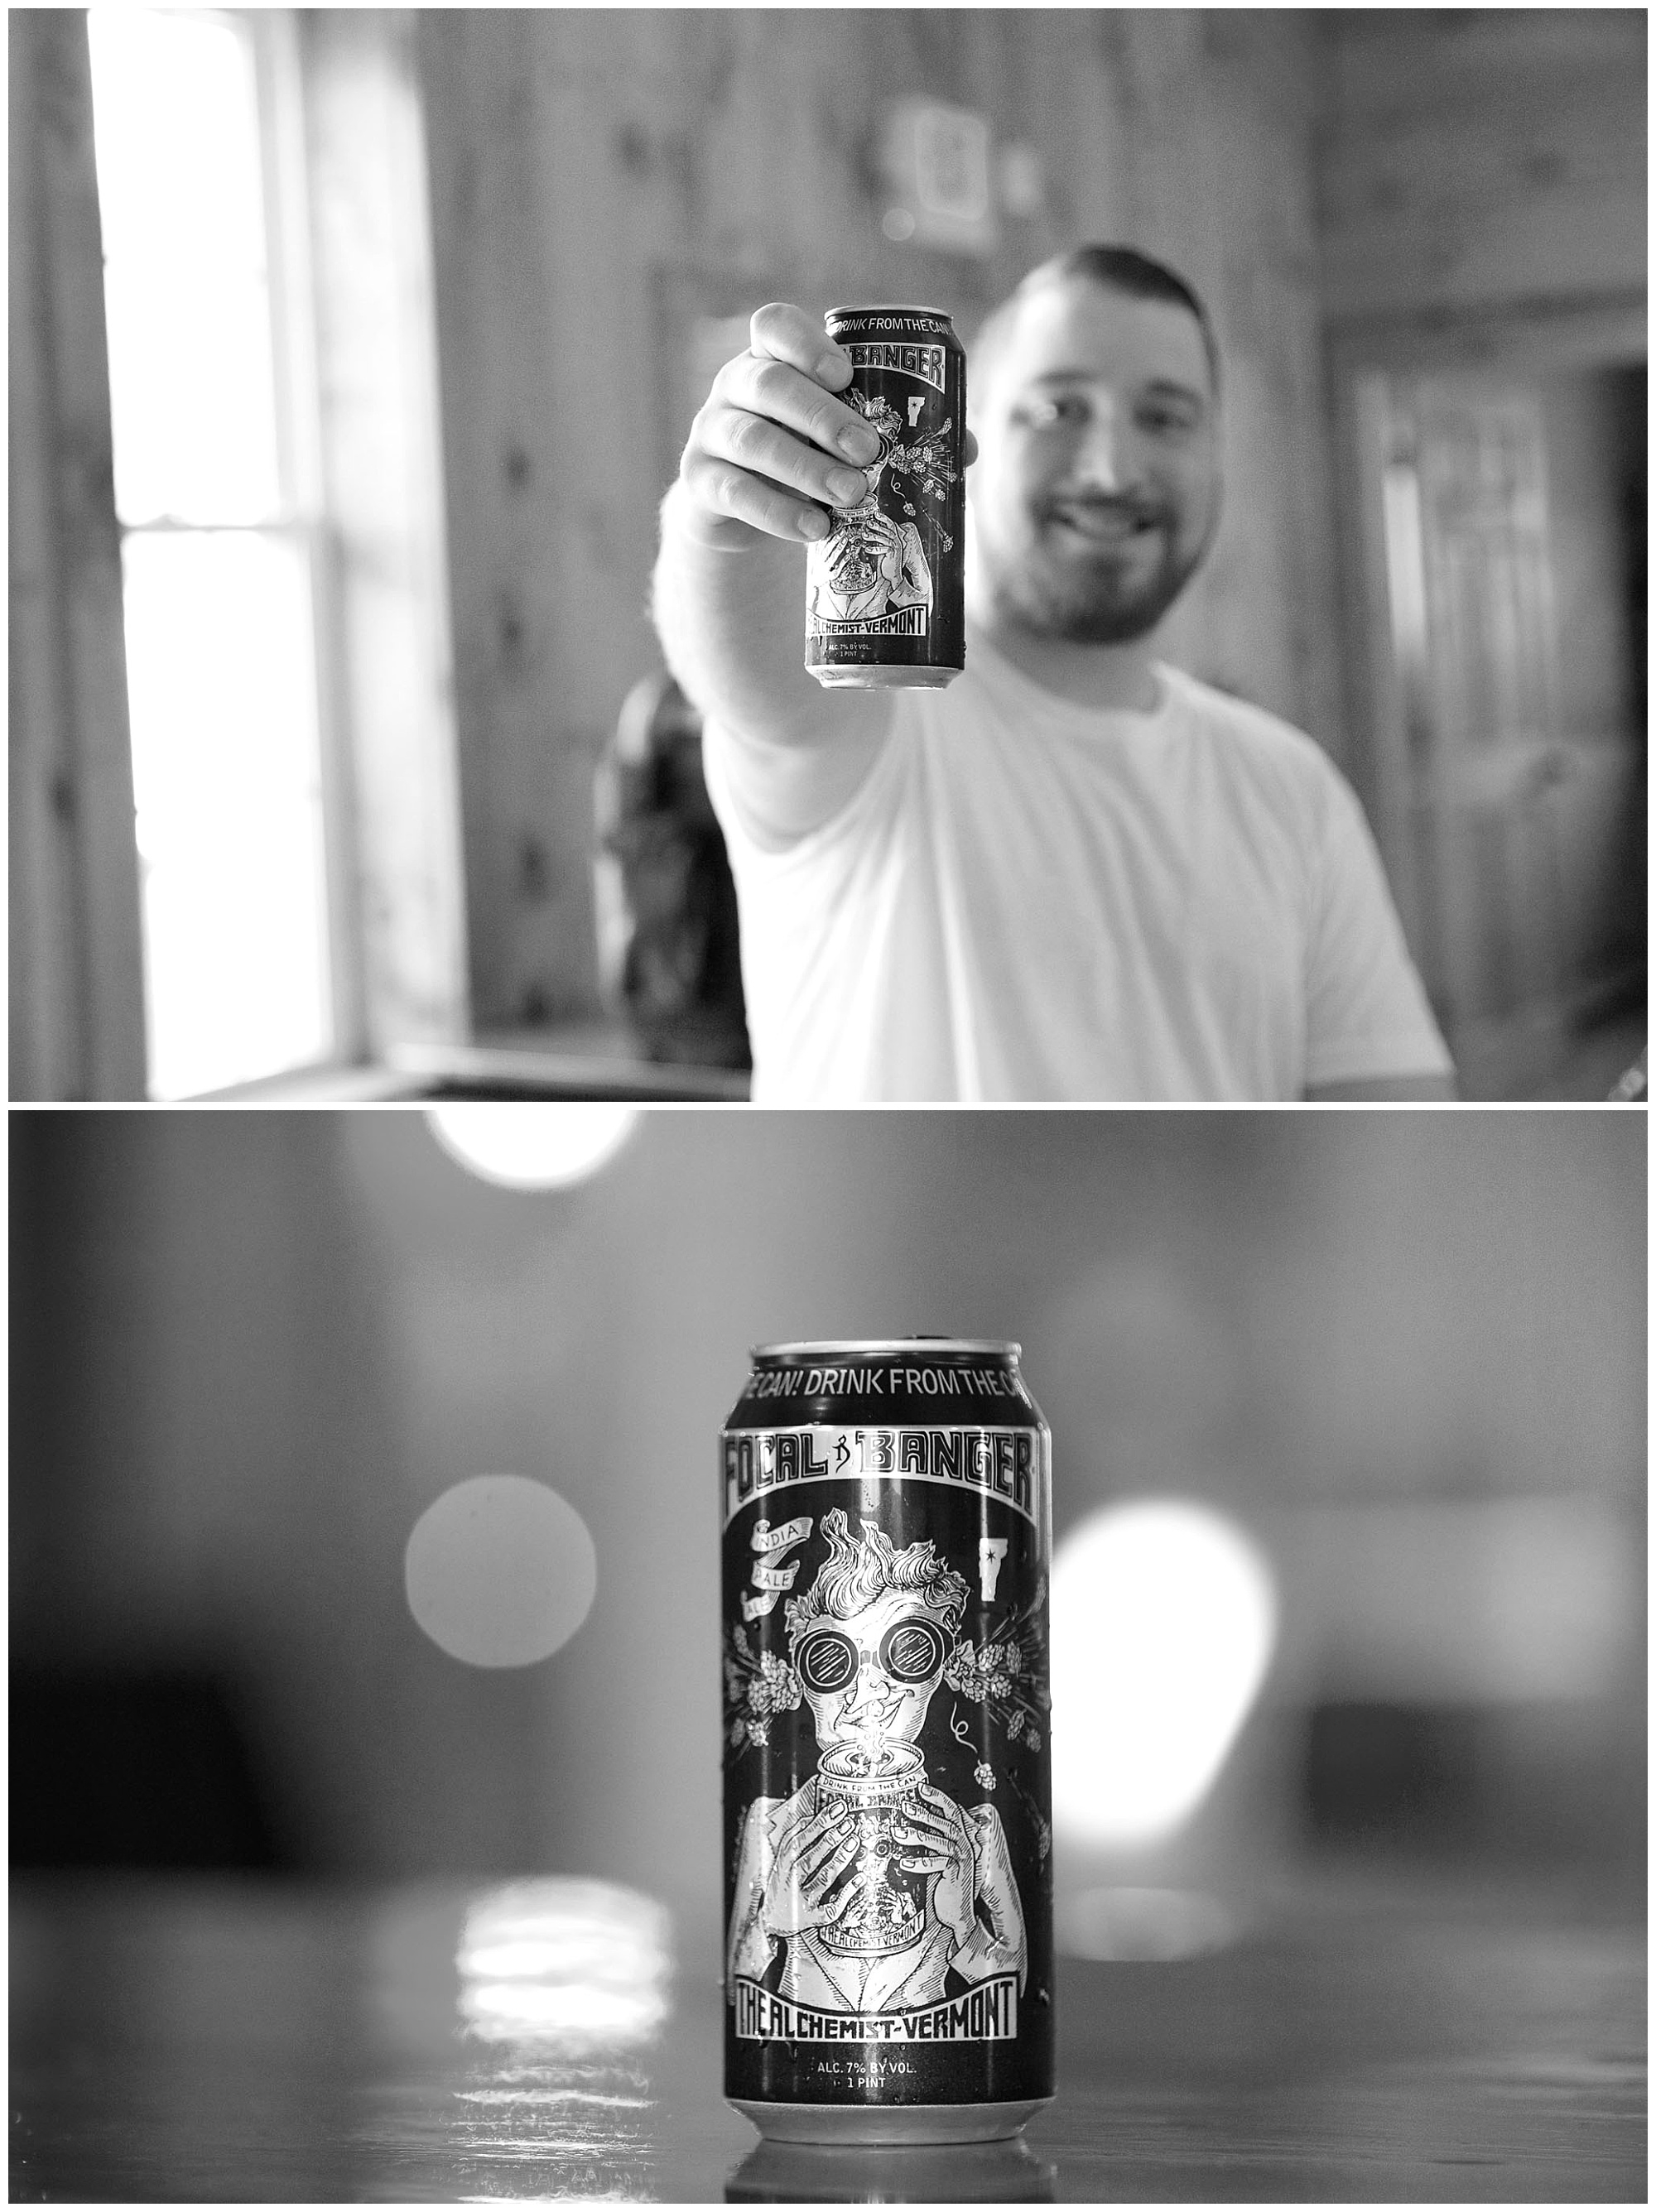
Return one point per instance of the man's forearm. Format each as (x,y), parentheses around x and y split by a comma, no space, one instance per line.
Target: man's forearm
(731,623)
(731,618)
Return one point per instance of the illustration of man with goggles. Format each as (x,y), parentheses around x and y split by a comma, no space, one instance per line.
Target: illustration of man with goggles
(876,1883)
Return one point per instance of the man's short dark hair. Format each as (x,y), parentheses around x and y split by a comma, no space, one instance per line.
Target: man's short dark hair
(1115,269)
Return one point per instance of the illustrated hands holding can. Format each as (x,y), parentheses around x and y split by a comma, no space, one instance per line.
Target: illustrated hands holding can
(773,450)
(1002,1943)
(937,1839)
(872,564)
(814,1852)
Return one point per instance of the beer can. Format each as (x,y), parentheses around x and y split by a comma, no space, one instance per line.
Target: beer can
(884,591)
(887,1799)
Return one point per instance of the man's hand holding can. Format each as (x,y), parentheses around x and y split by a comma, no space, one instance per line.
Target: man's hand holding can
(772,449)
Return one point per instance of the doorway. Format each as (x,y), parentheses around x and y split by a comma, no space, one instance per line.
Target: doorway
(1498,483)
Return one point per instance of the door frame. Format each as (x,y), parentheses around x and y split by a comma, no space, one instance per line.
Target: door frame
(1529,338)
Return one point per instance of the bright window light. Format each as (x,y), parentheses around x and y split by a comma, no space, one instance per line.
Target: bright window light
(1164,1619)
(186,289)
(220,543)
(532,1147)
(227,778)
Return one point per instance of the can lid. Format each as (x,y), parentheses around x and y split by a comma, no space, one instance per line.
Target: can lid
(871,1347)
(890,307)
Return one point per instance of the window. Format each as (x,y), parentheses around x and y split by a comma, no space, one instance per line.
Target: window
(225,546)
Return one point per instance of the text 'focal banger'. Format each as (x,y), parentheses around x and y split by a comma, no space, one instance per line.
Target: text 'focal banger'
(1002,1463)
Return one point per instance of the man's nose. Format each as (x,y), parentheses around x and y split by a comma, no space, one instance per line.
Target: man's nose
(1106,456)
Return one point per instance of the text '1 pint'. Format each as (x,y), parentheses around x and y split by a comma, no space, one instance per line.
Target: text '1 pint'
(885,592)
(887,1800)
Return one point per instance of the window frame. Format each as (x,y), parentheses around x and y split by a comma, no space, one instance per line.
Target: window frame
(298,517)
(353,338)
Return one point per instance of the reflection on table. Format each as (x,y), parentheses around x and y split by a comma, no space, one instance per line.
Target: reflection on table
(1371,2038)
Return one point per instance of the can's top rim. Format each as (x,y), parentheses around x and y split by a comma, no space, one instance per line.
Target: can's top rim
(870,1347)
(890,307)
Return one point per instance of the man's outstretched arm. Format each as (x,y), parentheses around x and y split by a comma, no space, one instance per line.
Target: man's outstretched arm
(771,455)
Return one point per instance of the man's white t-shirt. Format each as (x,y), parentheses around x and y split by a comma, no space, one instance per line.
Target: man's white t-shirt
(1028,899)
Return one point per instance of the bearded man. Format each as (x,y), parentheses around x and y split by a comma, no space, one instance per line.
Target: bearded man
(1077,873)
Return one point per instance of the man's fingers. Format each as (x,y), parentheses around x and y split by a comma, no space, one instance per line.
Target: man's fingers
(742,465)
(767,449)
(776,392)
(773,447)
(722,489)
(787,333)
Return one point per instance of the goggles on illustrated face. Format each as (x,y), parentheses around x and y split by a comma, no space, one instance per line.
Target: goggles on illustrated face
(827,1659)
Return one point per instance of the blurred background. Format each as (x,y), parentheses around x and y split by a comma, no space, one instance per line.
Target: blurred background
(352,350)
(1389,1368)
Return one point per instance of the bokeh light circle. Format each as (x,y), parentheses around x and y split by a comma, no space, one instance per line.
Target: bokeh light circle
(531,1147)
(500,1571)
(1163,1621)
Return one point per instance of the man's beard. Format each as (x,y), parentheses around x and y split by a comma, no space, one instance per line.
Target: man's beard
(1101,599)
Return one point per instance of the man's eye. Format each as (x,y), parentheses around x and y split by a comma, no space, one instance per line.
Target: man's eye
(1044,414)
(1166,420)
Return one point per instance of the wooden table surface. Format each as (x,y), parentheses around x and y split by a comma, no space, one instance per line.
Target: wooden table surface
(1374,2040)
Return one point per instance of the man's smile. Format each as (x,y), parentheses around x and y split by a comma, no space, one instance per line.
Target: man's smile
(1102,522)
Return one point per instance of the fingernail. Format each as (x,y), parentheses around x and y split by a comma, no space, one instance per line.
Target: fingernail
(858,444)
(814,522)
(848,485)
(829,368)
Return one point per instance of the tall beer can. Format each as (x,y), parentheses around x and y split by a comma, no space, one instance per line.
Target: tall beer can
(887,1796)
(885,592)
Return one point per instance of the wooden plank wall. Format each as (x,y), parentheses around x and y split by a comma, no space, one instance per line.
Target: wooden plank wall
(596,175)
(1467,159)
(77,978)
